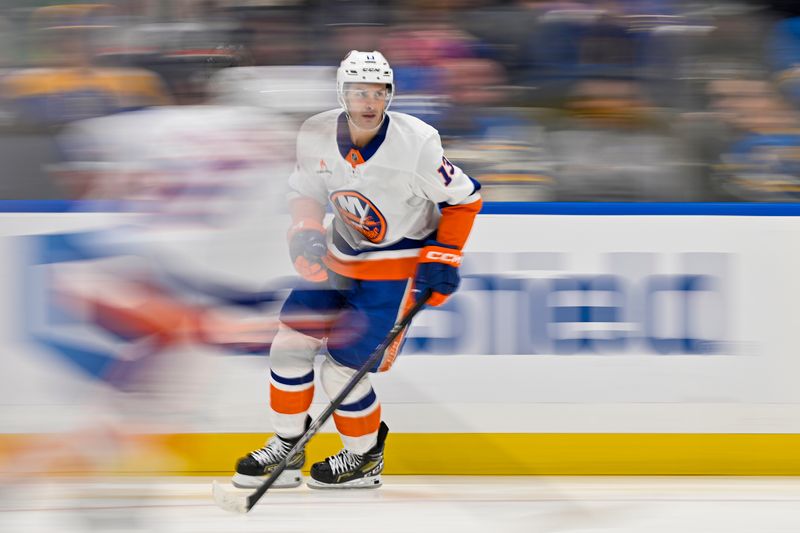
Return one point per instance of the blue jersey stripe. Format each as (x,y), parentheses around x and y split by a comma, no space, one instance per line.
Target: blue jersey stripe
(402,244)
(476,185)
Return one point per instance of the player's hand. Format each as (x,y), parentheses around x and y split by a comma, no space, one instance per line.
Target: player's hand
(437,269)
(307,248)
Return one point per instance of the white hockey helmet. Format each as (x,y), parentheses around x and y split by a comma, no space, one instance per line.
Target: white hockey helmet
(364,67)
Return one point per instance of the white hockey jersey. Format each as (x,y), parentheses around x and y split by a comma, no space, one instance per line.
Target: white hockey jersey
(201,186)
(386,197)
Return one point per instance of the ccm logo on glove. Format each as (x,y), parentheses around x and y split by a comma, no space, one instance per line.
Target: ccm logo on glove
(437,270)
(444,257)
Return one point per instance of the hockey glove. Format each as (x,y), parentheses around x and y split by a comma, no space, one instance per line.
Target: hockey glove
(307,248)
(437,269)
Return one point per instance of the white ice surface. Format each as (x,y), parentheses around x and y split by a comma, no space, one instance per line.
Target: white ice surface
(413,504)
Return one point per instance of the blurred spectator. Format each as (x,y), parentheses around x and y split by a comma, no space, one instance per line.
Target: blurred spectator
(275,34)
(68,86)
(339,26)
(184,54)
(63,85)
(488,73)
(6,43)
(190,54)
(500,147)
(419,81)
(784,56)
(613,145)
(421,53)
(761,158)
(569,43)
(784,46)
(505,29)
(414,60)
(474,88)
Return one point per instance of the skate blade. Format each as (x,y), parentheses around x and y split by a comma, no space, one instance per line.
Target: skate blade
(363,483)
(288,479)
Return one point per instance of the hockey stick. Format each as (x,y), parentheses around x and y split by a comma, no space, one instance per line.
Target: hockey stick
(235,503)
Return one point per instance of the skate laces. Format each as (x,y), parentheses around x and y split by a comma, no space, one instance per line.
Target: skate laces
(274,451)
(344,461)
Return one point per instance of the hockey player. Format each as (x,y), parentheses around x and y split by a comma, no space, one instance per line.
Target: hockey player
(402,214)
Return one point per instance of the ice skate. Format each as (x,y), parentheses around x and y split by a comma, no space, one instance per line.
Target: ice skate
(254,468)
(348,470)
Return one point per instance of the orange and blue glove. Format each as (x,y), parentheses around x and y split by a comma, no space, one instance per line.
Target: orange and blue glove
(437,270)
(307,247)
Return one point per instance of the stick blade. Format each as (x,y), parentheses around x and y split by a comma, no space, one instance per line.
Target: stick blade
(233,503)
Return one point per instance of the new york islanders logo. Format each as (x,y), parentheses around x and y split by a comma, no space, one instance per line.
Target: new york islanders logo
(360,214)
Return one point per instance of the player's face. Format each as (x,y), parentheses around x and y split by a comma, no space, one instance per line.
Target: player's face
(366,103)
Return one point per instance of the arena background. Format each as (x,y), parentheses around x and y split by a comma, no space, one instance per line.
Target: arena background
(628,296)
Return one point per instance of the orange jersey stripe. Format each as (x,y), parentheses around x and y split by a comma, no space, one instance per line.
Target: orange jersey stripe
(360,425)
(290,403)
(456,223)
(378,269)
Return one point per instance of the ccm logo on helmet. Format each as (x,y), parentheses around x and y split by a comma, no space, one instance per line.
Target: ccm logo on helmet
(443,257)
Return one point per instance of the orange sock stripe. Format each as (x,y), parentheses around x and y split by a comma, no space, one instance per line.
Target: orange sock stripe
(360,425)
(290,403)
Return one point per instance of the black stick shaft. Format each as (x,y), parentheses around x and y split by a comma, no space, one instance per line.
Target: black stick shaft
(336,402)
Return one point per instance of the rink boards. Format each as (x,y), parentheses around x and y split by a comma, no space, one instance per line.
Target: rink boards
(595,339)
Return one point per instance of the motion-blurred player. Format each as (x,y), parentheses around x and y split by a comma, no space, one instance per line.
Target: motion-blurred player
(402,214)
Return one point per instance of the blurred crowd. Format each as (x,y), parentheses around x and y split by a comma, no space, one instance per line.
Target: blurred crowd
(594,100)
